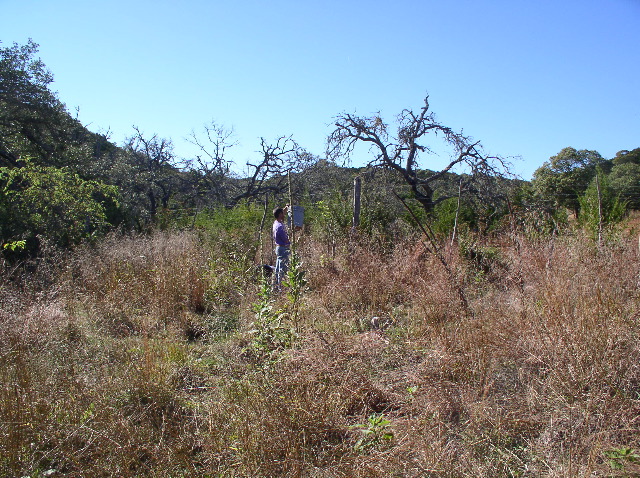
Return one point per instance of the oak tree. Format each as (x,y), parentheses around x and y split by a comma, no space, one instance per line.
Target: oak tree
(566,176)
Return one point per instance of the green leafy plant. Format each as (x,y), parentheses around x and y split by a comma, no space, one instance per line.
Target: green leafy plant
(600,207)
(15,246)
(448,213)
(330,218)
(375,433)
(618,458)
(296,284)
(269,335)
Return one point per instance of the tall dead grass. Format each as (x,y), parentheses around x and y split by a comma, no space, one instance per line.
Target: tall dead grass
(131,363)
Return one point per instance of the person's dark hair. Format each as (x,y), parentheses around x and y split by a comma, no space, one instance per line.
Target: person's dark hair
(277,211)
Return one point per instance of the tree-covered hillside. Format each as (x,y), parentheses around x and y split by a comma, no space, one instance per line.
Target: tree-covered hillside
(61,182)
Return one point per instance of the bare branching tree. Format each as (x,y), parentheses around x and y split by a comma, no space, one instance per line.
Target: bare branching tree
(153,162)
(269,175)
(212,166)
(404,152)
(219,183)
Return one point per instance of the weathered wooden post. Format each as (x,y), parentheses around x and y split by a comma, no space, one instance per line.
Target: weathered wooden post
(599,210)
(262,222)
(357,185)
(293,229)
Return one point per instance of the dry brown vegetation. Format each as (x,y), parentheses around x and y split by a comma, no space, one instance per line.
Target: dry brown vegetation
(132,358)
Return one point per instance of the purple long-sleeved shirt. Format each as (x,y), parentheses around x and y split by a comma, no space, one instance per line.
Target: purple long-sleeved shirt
(280,236)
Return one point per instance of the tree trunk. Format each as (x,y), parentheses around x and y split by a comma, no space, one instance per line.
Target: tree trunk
(153,206)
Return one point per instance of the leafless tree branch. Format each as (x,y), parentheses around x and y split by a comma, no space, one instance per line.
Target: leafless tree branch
(404,151)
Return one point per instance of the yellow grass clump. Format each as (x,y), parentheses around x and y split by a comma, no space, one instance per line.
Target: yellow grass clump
(132,358)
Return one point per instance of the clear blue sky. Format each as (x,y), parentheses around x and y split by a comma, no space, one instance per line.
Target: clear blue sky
(526,78)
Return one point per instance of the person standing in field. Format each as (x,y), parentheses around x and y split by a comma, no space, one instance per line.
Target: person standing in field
(282,243)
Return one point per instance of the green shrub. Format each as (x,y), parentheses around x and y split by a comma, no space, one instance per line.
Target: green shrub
(600,207)
(444,216)
(54,203)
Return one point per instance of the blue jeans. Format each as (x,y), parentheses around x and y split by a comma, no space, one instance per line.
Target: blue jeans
(282,264)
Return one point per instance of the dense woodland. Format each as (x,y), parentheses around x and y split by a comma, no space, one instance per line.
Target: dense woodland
(472,324)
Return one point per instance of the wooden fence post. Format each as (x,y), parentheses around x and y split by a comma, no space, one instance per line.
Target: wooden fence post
(357,185)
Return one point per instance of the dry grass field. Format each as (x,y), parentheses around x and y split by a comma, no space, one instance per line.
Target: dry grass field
(157,356)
